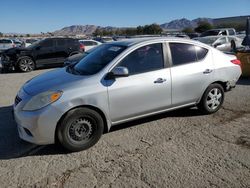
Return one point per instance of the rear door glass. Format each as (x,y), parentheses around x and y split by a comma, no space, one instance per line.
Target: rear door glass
(183,53)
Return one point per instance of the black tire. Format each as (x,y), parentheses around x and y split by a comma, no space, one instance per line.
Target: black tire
(26,64)
(80,129)
(212,99)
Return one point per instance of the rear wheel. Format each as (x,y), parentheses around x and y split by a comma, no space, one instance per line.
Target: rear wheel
(26,64)
(212,99)
(80,129)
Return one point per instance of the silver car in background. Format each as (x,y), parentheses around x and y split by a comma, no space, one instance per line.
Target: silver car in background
(6,44)
(222,43)
(119,82)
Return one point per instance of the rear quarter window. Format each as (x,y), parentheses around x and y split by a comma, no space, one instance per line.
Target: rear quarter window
(183,53)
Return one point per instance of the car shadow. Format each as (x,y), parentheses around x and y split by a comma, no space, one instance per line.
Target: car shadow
(244,81)
(57,149)
(37,69)
(11,146)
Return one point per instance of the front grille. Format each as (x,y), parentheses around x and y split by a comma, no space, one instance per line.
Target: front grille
(17,100)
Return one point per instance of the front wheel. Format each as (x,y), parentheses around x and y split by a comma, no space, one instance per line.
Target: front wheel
(80,129)
(212,99)
(26,64)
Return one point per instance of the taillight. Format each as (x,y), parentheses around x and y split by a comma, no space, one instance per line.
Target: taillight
(82,47)
(236,62)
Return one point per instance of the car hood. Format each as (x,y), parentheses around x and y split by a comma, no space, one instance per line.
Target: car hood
(16,50)
(53,80)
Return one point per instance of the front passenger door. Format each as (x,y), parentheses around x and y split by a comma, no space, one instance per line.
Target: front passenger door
(45,53)
(147,89)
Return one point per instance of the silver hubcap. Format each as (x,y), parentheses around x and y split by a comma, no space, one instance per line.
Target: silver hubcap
(26,65)
(214,99)
(80,130)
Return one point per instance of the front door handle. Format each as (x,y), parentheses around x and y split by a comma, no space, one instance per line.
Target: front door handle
(207,71)
(160,80)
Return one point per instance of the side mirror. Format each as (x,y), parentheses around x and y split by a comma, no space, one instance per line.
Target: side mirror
(38,47)
(118,72)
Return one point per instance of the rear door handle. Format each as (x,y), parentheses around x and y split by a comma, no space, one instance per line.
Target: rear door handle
(207,71)
(160,80)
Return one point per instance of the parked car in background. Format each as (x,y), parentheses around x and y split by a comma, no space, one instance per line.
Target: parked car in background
(47,52)
(6,44)
(222,43)
(88,44)
(28,42)
(77,57)
(221,31)
(182,36)
(119,82)
(193,35)
(103,39)
(18,43)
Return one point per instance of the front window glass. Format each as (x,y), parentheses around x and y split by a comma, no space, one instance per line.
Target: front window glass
(145,59)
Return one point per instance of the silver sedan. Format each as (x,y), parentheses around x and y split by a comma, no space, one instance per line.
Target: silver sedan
(120,82)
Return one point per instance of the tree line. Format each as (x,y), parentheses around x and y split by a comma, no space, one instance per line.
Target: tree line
(204,26)
(152,29)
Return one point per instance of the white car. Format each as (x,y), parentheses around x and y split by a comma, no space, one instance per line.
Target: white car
(89,44)
(6,44)
(28,42)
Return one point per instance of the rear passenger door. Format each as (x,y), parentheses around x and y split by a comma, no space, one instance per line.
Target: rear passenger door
(191,72)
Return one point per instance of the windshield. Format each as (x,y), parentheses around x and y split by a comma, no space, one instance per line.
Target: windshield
(98,59)
(34,44)
(208,40)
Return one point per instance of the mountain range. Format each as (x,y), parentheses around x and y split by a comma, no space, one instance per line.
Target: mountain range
(177,24)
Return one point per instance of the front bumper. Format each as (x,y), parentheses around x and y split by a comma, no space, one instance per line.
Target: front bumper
(7,65)
(38,126)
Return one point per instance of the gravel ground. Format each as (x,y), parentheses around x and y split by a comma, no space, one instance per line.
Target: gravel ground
(177,149)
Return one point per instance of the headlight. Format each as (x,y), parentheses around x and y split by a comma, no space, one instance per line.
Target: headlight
(41,100)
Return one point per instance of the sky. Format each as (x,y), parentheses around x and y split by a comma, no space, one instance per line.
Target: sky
(35,16)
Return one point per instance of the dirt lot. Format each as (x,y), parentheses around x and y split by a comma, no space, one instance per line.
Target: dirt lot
(178,149)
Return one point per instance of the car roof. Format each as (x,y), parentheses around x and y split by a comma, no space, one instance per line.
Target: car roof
(218,29)
(134,41)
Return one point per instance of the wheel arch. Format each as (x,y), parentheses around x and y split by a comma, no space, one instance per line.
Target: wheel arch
(29,56)
(222,83)
(98,110)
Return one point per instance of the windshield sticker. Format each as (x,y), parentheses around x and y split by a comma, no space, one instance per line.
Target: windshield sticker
(114,48)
